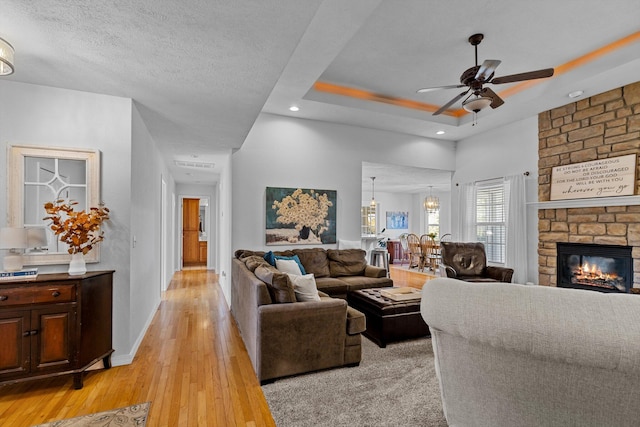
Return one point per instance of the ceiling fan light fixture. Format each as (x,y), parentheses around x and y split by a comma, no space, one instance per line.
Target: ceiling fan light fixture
(477,104)
(6,58)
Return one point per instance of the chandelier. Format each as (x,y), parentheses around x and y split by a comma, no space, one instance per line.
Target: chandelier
(431,202)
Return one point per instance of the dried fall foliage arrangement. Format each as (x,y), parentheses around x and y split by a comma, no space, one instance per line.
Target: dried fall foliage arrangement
(80,230)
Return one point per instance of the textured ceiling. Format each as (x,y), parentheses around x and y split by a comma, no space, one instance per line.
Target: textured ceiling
(200,71)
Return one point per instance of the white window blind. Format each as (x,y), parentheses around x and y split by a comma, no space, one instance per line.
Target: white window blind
(491,220)
(432,222)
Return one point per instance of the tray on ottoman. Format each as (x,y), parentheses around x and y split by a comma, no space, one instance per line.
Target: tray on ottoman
(388,320)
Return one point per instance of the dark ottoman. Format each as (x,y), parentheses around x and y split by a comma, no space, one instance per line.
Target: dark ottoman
(388,320)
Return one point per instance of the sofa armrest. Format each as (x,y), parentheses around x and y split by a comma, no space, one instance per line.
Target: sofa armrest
(300,337)
(501,274)
(373,271)
(356,321)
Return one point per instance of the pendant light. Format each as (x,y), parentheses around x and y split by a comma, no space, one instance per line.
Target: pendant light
(431,202)
(373,193)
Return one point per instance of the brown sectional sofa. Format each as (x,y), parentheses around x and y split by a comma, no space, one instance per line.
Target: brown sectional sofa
(284,337)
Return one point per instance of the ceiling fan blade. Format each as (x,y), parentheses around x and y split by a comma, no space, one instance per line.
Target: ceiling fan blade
(531,75)
(487,69)
(450,103)
(431,89)
(497,101)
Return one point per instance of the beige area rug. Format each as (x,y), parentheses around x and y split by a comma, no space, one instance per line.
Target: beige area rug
(393,386)
(130,416)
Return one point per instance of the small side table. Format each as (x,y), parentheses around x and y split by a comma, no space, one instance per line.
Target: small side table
(378,254)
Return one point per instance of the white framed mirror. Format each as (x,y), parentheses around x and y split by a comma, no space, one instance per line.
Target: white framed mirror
(38,175)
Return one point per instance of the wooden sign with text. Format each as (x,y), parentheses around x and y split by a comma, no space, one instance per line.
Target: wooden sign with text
(615,176)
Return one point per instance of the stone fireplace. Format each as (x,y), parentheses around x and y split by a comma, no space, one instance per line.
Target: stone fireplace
(602,126)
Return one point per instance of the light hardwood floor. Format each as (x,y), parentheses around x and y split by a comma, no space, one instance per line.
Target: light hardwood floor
(191,365)
(404,276)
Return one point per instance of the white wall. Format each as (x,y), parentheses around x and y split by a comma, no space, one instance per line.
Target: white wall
(287,152)
(147,170)
(224,214)
(509,150)
(45,116)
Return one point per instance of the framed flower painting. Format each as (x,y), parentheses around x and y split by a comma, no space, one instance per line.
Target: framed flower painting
(300,216)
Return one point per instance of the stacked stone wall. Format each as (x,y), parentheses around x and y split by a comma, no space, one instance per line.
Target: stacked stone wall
(602,126)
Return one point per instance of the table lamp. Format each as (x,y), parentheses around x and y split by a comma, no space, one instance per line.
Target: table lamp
(14,239)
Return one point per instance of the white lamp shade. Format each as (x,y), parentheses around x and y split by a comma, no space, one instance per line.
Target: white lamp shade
(36,237)
(477,104)
(6,58)
(13,238)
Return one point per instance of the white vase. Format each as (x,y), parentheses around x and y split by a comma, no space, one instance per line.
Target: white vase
(77,265)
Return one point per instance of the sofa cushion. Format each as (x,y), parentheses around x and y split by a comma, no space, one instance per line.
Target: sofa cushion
(252,262)
(304,287)
(314,261)
(360,282)
(279,286)
(346,262)
(332,286)
(244,253)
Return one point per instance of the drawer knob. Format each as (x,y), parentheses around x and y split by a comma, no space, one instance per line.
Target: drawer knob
(55,294)
(3,297)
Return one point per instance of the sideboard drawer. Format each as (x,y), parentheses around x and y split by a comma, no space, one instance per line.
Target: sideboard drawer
(37,295)
(14,296)
(56,293)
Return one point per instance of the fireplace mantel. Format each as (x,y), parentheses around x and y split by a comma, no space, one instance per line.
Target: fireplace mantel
(588,203)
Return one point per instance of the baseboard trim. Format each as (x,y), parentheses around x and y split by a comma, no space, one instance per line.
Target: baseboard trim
(127,359)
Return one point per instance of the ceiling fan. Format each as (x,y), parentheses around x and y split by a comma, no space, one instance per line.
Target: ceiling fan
(475,77)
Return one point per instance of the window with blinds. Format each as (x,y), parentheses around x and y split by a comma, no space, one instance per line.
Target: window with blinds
(491,220)
(432,222)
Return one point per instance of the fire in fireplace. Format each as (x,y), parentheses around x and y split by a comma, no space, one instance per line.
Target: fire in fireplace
(605,268)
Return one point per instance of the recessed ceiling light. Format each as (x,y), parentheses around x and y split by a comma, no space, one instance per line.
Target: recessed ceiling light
(294,108)
(575,93)
(440,132)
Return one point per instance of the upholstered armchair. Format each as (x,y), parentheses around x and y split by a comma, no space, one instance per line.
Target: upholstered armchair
(468,262)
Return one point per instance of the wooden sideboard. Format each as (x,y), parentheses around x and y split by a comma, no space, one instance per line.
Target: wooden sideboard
(54,325)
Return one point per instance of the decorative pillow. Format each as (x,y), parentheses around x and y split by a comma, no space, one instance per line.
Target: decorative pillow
(348,262)
(271,258)
(288,266)
(349,244)
(304,287)
(279,286)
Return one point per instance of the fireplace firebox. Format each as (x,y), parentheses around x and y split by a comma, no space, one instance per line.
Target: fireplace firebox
(604,268)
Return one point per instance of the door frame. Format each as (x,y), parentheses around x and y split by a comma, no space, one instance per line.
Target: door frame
(208,226)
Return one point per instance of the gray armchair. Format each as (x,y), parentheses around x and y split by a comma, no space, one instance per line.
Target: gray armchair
(468,262)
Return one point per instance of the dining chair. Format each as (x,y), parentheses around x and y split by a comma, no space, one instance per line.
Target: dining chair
(414,250)
(430,252)
(404,243)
